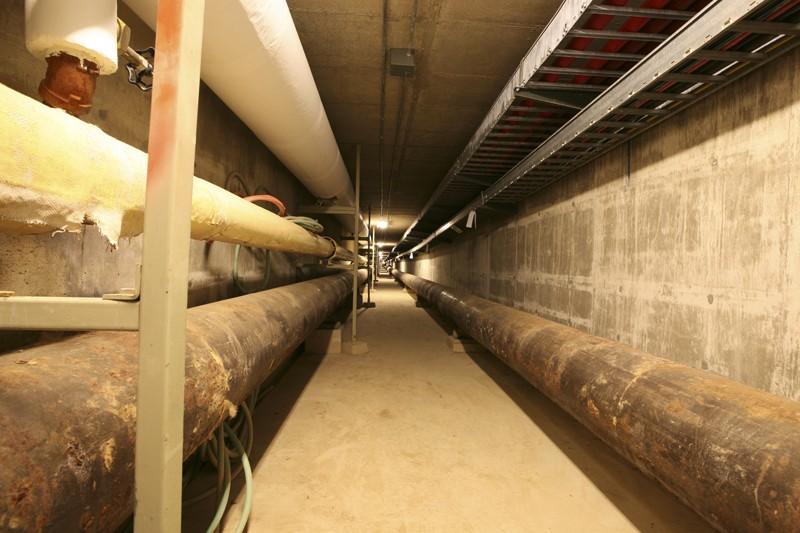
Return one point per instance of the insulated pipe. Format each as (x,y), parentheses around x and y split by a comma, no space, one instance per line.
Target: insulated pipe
(728,451)
(58,173)
(78,39)
(68,408)
(86,30)
(254,61)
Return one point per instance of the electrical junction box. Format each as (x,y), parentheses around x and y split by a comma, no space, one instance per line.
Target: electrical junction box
(401,62)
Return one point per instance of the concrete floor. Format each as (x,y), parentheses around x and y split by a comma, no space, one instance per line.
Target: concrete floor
(414,437)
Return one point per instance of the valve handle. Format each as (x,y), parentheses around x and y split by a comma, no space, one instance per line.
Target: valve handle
(140,67)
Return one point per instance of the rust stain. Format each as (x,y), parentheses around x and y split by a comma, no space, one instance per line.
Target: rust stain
(163,116)
(69,84)
(168,26)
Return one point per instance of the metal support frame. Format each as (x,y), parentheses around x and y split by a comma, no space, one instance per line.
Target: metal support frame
(356,226)
(563,101)
(597,54)
(158,308)
(371,258)
(714,21)
(628,11)
(165,265)
(53,313)
(556,30)
(544,90)
(114,311)
(568,89)
(607,34)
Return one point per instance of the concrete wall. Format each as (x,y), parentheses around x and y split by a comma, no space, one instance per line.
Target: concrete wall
(684,243)
(83,264)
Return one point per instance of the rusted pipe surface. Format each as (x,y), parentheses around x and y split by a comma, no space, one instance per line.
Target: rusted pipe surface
(68,409)
(69,84)
(729,451)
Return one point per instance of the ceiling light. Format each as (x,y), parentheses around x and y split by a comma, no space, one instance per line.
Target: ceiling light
(380,223)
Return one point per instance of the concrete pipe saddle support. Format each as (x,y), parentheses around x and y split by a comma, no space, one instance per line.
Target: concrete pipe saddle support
(727,450)
(68,408)
(58,173)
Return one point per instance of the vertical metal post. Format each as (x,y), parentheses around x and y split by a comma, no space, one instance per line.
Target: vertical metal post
(356,228)
(376,261)
(370,255)
(165,265)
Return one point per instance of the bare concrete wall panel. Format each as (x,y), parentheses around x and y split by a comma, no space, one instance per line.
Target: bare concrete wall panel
(684,242)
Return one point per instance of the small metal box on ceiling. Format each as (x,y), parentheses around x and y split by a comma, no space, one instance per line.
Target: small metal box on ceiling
(401,61)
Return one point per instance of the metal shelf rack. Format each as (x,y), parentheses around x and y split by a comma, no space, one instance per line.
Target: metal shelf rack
(158,309)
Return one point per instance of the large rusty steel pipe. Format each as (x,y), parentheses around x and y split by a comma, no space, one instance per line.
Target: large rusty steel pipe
(68,408)
(727,450)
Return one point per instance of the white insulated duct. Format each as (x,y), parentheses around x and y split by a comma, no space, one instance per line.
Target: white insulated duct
(254,61)
(86,30)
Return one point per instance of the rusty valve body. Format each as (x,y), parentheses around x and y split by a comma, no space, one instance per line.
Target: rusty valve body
(69,83)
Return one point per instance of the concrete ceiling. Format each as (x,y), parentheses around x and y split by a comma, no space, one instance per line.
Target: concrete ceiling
(465,52)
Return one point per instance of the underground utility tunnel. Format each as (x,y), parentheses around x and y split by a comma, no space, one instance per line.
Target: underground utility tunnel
(384,265)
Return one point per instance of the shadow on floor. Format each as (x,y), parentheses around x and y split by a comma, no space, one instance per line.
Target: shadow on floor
(443,322)
(287,384)
(637,496)
(273,410)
